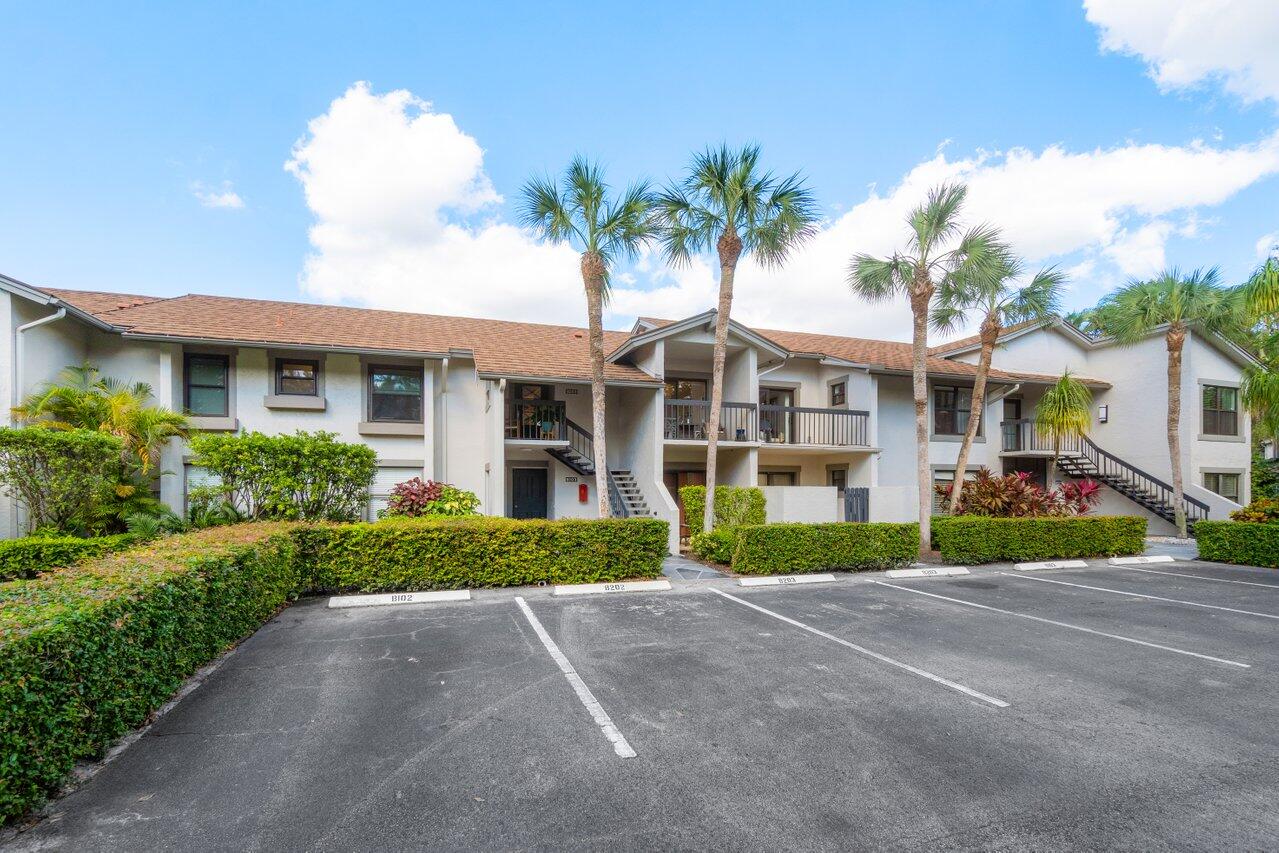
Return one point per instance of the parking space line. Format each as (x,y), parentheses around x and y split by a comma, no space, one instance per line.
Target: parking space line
(597,712)
(1143,595)
(1199,577)
(968,691)
(1045,621)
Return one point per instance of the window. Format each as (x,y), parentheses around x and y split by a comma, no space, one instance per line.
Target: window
(777,478)
(395,394)
(686,389)
(205,385)
(1221,410)
(1226,485)
(947,478)
(838,394)
(838,478)
(298,377)
(951,409)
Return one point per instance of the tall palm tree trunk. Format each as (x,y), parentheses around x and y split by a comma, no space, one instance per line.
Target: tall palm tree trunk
(593,279)
(1176,339)
(730,249)
(989,335)
(920,297)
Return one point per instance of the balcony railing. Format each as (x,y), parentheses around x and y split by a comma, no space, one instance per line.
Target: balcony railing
(686,421)
(1022,437)
(536,420)
(804,426)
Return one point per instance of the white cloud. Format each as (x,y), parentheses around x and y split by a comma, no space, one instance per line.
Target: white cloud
(1186,43)
(1268,245)
(405,218)
(224,197)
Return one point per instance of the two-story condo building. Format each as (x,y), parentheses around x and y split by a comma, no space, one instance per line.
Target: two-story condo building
(824,423)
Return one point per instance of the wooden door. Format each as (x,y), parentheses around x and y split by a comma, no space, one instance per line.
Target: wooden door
(674,481)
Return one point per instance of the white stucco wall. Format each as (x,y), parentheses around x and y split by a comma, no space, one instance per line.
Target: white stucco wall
(813,504)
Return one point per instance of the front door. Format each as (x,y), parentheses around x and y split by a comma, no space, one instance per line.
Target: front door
(674,481)
(776,426)
(528,493)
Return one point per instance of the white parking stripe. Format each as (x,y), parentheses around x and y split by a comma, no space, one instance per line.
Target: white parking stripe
(597,712)
(1143,595)
(1198,577)
(968,691)
(1067,625)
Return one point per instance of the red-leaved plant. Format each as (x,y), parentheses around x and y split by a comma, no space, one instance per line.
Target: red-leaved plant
(1017,496)
(418,497)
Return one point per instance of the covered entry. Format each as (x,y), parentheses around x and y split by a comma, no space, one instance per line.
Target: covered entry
(528,492)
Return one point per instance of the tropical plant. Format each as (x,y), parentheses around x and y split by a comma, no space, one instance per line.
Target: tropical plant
(994,293)
(82,398)
(207,506)
(415,498)
(1016,495)
(579,212)
(1171,303)
(1260,511)
(727,202)
(1064,412)
(937,252)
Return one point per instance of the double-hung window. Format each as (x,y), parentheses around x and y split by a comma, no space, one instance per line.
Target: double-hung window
(297,377)
(395,393)
(838,394)
(1220,410)
(952,407)
(206,385)
(1226,485)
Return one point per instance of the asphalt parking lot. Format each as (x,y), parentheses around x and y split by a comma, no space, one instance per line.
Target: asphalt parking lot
(1090,708)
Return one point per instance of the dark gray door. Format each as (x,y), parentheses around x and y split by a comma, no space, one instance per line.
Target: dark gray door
(528,493)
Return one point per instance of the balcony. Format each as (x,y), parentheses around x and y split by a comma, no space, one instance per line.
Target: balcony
(771,425)
(1020,436)
(686,421)
(536,420)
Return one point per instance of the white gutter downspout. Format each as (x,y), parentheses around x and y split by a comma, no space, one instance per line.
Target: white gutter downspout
(19,349)
(444,421)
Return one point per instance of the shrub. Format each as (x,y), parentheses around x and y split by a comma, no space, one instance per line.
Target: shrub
(1260,511)
(88,652)
(415,498)
(31,555)
(308,476)
(978,539)
(734,505)
(714,545)
(768,549)
(443,553)
(60,476)
(1017,496)
(1233,542)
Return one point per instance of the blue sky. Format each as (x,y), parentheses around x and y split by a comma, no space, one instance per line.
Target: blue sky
(123,125)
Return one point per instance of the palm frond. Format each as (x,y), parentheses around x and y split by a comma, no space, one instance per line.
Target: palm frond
(1040,298)
(879,279)
(1065,409)
(937,219)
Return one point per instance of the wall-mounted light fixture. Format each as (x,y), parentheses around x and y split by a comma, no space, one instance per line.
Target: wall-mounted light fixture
(1103,413)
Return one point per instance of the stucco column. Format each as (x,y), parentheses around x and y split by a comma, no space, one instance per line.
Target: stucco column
(428,419)
(172,468)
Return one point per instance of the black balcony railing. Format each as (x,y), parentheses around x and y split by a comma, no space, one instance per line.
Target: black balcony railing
(804,426)
(536,420)
(686,421)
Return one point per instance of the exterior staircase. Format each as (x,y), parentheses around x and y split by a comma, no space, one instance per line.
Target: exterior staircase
(624,495)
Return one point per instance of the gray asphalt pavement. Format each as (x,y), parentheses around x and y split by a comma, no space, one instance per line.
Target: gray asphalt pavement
(828,716)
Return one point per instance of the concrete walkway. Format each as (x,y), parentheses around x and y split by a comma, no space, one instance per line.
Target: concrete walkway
(1182,549)
(682,568)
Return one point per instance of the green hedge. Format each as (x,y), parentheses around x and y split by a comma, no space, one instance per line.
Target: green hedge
(769,549)
(88,652)
(1238,542)
(734,505)
(31,555)
(443,553)
(983,539)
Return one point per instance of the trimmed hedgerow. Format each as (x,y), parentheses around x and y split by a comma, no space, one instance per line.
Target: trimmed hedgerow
(715,545)
(88,652)
(734,505)
(769,549)
(1248,543)
(454,553)
(31,555)
(982,539)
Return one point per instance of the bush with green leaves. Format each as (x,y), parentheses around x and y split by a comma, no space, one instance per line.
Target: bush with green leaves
(88,652)
(455,553)
(61,477)
(770,549)
(982,539)
(31,555)
(734,505)
(417,498)
(310,476)
(1246,543)
(714,545)
(1260,511)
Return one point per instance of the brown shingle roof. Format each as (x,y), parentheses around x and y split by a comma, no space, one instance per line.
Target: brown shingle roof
(500,347)
(99,302)
(962,343)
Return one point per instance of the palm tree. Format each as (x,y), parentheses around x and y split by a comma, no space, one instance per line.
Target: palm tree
(993,292)
(82,398)
(579,212)
(1064,412)
(1260,388)
(725,201)
(1171,303)
(936,253)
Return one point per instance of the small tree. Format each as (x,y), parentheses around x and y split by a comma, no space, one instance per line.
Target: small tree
(1065,411)
(61,477)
